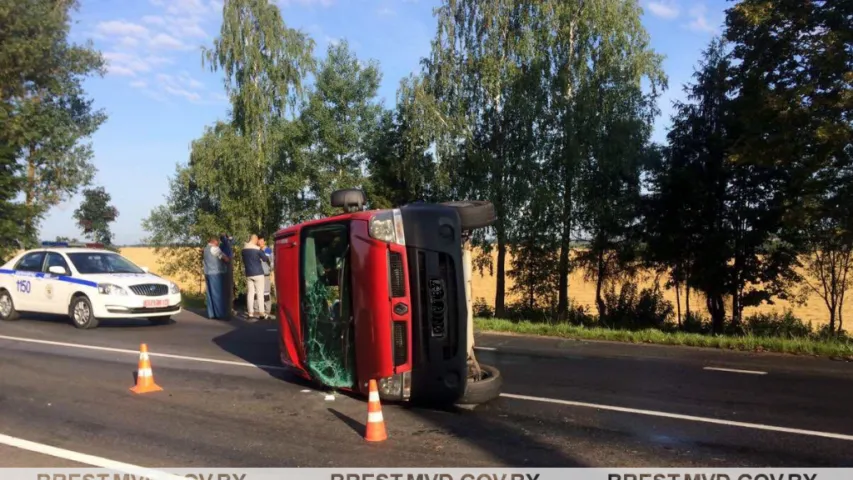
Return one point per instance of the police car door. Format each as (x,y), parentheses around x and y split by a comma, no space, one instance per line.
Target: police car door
(27,290)
(55,289)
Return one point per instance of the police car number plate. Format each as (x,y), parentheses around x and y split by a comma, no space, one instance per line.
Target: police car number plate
(156,303)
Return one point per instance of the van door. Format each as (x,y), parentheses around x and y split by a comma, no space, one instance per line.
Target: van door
(326,303)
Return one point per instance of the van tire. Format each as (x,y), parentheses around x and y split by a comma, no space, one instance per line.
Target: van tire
(85,322)
(13,314)
(484,390)
(474,214)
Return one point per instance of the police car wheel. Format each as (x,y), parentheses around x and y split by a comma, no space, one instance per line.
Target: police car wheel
(7,307)
(81,313)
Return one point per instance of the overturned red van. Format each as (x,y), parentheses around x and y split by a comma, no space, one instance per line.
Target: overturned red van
(382,295)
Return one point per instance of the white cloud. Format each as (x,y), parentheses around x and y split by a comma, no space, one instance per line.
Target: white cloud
(332,40)
(700,22)
(306,3)
(117,28)
(121,71)
(139,84)
(385,11)
(128,42)
(663,9)
(181,85)
(130,64)
(167,42)
(153,20)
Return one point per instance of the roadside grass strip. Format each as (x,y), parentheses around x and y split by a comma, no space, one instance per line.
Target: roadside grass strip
(798,346)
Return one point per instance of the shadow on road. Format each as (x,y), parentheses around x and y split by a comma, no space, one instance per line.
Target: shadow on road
(510,441)
(103,323)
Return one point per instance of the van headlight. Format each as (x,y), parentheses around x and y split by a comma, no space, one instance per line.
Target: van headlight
(111,289)
(387,226)
(173,289)
(396,387)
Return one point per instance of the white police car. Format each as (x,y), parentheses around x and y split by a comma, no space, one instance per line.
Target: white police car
(87,284)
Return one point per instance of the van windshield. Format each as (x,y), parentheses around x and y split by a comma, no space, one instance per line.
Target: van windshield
(326,300)
(92,263)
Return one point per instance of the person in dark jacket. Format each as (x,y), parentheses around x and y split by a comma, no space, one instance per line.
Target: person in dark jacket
(228,287)
(253,259)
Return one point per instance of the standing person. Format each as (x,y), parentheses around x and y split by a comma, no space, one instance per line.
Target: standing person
(225,243)
(215,268)
(254,270)
(266,263)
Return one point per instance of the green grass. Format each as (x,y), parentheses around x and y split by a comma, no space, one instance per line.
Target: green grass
(799,346)
(193,300)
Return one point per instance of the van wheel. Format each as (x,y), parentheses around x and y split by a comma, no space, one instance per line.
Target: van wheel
(81,313)
(7,307)
(474,214)
(160,320)
(483,390)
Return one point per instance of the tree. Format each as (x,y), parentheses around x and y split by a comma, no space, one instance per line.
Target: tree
(339,119)
(483,62)
(12,213)
(45,113)
(264,64)
(402,167)
(95,214)
(791,74)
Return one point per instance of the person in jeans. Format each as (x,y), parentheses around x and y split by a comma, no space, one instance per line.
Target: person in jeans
(266,263)
(253,258)
(215,271)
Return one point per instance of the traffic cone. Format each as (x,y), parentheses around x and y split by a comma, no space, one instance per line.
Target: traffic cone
(145,377)
(375,423)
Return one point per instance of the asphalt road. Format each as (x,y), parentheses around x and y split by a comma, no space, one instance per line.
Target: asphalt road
(566,404)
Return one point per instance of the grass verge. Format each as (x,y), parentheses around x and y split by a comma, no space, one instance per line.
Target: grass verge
(798,346)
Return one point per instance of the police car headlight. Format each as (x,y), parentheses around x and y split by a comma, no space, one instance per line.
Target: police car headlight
(173,289)
(387,226)
(110,289)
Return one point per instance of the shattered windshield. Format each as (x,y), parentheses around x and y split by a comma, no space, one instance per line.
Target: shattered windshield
(326,301)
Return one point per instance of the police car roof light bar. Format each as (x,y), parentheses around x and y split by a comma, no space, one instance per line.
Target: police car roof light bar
(54,244)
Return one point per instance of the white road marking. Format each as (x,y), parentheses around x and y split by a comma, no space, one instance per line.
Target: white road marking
(488,349)
(272,330)
(653,413)
(83,458)
(134,352)
(735,370)
(677,416)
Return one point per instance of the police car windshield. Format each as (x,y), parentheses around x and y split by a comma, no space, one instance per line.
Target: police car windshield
(88,263)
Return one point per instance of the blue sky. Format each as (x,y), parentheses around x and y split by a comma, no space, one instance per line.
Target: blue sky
(159,97)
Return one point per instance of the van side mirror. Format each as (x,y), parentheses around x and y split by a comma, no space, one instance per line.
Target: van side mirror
(57,270)
(144,269)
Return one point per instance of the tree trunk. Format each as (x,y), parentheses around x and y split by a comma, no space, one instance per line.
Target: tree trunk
(565,251)
(599,302)
(500,287)
(678,301)
(30,187)
(717,309)
(687,299)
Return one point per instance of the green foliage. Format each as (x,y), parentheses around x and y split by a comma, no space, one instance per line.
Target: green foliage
(45,114)
(95,214)
(339,120)
(12,213)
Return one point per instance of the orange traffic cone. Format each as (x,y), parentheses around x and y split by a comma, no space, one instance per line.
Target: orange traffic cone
(375,423)
(145,377)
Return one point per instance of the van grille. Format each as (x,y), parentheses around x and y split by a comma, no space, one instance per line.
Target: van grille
(150,290)
(398,281)
(400,350)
